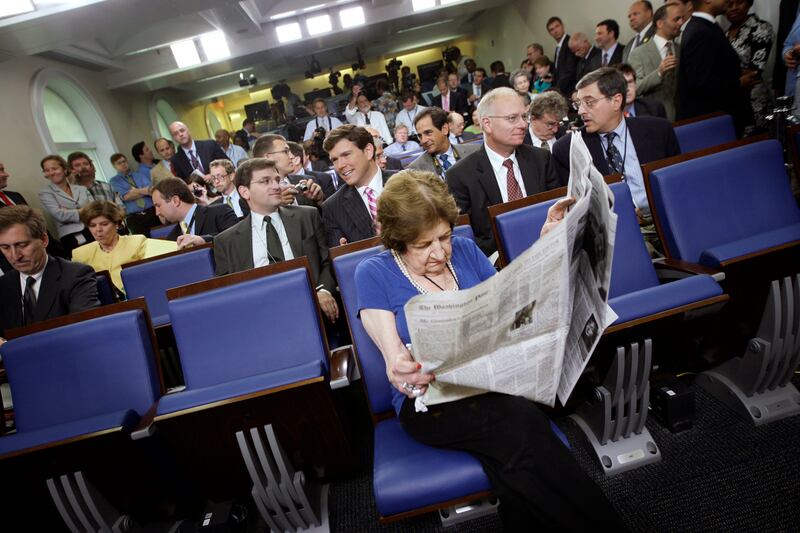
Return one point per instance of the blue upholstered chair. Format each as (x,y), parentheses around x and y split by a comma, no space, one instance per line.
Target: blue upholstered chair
(705,133)
(635,290)
(722,208)
(106,292)
(161,232)
(152,277)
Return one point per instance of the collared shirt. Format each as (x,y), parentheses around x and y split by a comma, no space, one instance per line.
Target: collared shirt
(501,172)
(101,190)
(234,203)
(609,52)
(189,219)
(376,120)
(122,186)
(398,147)
(559,45)
(376,184)
(23,279)
(189,156)
(633,172)
(641,36)
(537,142)
(259,230)
(235,153)
(661,45)
(167,165)
(327,122)
(407,117)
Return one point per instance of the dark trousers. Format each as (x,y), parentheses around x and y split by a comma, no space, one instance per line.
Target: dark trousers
(70,242)
(139,223)
(539,484)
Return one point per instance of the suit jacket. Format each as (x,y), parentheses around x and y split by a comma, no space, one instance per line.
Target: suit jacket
(648,107)
(652,137)
(159,172)
(207,151)
(233,248)
(345,215)
(425,161)
(501,80)
(458,102)
(54,246)
(208,221)
(584,65)
(646,39)
(596,60)
(474,186)
(63,208)
(708,77)
(645,60)
(565,69)
(242,205)
(324,180)
(484,88)
(15,197)
(66,287)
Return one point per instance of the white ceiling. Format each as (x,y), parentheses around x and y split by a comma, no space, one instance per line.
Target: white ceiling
(128,40)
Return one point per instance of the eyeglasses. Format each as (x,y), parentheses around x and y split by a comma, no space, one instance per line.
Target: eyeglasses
(549,124)
(219,177)
(512,119)
(285,151)
(588,103)
(267,181)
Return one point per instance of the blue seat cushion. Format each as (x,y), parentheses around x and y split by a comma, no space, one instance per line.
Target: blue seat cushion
(647,302)
(28,439)
(724,252)
(408,475)
(230,389)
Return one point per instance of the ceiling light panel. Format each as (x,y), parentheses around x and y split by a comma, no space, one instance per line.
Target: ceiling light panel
(289,32)
(15,7)
(352,16)
(318,24)
(419,5)
(185,53)
(215,46)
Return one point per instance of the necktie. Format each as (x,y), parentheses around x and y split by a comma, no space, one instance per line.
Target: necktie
(545,146)
(403,146)
(274,248)
(372,204)
(172,169)
(614,157)
(638,41)
(446,101)
(555,56)
(366,118)
(669,76)
(195,161)
(514,192)
(5,199)
(229,201)
(29,300)
(605,59)
(445,161)
(184,227)
(139,201)
(477,90)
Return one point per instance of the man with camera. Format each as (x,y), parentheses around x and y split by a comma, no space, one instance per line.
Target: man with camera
(322,121)
(194,224)
(358,112)
(297,189)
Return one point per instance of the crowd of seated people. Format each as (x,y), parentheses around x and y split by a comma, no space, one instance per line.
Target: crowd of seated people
(478,141)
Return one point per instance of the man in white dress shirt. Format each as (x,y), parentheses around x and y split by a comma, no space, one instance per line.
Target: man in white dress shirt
(321,120)
(408,114)
(546,112)
(358,112)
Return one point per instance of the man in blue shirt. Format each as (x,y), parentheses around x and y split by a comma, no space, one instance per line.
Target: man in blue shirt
(134,189)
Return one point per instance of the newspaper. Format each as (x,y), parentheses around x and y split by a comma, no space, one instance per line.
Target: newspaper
(530,329)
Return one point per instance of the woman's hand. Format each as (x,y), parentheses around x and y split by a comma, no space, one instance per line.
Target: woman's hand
(405,376)
(556,214)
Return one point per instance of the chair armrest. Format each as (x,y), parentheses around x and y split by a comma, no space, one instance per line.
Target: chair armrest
(341,367)
(670,269)
(145,427)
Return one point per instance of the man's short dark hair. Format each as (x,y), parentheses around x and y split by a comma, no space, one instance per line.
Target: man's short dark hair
(407,95)
(137,150)
(74,156)
(350,132)
(610,82)
(626,69)
(170,187)
(264,144)
(552,20)
(481,70)
(25,215)
(244,172)
(647,5)
(248,121)
(611,26)
(296,149)
(437,114)
(497,66)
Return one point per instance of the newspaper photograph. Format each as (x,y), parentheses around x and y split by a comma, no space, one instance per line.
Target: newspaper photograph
(530,329)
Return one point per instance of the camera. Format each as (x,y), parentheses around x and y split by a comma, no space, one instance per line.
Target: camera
(197,191)
(301,187)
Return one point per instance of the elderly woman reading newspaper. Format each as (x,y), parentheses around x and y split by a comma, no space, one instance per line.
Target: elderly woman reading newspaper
(539,485)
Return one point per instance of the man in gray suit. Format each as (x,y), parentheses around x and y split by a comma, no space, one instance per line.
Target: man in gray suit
(656,61)
(272,233)
(640,17)
(434,136)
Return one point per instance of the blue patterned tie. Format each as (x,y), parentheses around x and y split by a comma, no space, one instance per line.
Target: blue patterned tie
(614,157)
(445,161)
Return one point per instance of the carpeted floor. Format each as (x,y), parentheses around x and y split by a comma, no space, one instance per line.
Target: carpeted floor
(722,475)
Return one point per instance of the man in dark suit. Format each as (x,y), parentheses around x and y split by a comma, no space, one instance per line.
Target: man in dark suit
(709,76)
(606,35)
(349,215)
(504,169)
(617,144)
(565,62)
(499,76)
(546,112)
(450,100)
(272,233)
(39,286)
(192,156)
(478,87)
(195,224)
(328,182)
(585,52)
(222,174)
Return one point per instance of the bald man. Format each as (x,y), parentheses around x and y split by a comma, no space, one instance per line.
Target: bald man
(192,156)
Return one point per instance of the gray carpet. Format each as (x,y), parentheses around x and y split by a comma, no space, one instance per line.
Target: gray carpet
(722,475)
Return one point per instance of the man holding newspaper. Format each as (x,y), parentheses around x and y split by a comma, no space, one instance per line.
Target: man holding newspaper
(493,341)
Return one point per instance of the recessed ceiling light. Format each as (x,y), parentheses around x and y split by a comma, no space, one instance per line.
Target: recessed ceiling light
(215,46)
(419,5)
(351,16)
(318,24)
(313,8)
(185,53)
(15,7)
(282,15)
(288,32)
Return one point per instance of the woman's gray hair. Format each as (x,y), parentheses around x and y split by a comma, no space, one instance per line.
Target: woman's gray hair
(517,74)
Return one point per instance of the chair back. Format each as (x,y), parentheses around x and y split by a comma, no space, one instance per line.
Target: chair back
(246,324)
(371,363)
(712,131)
(80,370)
(150,278)
(721,198)
(161,232)
(632,269)
(105,288)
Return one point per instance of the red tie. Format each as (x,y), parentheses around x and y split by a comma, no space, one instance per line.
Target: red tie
(172,169)
(446,101)
(514,192)
(6,200)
